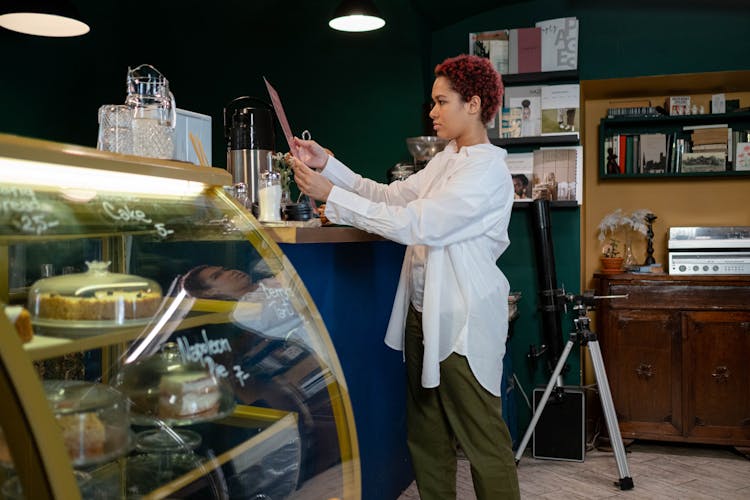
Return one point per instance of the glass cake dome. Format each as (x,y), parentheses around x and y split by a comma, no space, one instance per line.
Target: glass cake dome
(93,419)
(163,389)
(97,297)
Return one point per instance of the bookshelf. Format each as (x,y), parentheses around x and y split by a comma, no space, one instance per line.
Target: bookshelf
(549,173)
(624,135)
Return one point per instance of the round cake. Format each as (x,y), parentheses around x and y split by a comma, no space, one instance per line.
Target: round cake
(104,305)
(94,295)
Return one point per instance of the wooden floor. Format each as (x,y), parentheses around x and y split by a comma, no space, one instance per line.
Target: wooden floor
(659,471)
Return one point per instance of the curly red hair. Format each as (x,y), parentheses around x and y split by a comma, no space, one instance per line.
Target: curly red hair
(474,76)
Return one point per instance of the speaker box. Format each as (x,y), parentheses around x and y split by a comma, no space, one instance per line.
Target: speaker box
(560,433)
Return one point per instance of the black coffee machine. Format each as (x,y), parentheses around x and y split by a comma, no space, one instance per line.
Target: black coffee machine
(249,131)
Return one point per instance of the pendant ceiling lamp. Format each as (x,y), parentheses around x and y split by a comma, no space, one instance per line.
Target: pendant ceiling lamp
(356,15)
(55,18)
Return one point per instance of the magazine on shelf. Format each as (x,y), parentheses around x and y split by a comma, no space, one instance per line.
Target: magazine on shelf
(492,45)
(703,162)
(574,179)
(653,154)
(560,109)
(521,168)
(524,50)
(529,99)
(742,159)
(555,174)
(559,44)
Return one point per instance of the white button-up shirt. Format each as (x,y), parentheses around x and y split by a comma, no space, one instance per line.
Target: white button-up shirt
(459,206)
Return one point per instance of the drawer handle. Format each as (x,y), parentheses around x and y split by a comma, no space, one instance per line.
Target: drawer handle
(720,374)
(645,370)
(699,422)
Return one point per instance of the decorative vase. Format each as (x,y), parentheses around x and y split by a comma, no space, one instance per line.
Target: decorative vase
(612,265)
(629,261)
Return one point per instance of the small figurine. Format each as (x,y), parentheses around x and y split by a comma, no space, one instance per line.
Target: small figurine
(612,166)
(694,109)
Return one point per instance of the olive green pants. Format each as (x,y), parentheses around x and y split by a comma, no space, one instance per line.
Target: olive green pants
(458,411)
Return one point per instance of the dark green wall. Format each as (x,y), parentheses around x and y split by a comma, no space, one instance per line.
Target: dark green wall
(616,39)
(359,94)
(622,39)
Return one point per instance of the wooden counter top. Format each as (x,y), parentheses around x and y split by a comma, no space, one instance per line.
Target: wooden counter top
(324,234)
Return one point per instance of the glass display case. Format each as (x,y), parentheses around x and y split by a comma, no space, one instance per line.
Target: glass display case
(156,342)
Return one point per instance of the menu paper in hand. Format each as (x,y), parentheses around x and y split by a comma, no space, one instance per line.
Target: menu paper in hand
(279,109)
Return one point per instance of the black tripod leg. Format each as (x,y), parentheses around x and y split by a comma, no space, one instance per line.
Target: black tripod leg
(626,482)
(538,413)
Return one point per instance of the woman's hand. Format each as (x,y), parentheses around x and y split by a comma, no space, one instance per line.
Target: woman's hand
(311,182)
(312,154)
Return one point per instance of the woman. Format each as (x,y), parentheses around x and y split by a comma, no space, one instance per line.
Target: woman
(450,314)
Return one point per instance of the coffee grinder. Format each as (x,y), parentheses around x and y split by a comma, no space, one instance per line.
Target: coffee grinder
(249,131)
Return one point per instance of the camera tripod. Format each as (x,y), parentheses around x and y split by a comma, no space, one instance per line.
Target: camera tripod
(586,337)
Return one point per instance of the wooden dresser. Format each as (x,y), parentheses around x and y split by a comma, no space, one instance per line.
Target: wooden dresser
(677,354)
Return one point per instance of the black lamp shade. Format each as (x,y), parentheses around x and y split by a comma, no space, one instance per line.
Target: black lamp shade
(356,15)
(54,18)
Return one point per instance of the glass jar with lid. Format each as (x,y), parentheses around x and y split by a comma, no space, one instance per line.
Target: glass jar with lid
(269,195)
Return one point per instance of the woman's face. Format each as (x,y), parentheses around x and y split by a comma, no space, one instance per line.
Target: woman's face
(223,282)
(450,113)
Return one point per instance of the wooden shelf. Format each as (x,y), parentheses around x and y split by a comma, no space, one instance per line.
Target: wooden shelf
(45,347)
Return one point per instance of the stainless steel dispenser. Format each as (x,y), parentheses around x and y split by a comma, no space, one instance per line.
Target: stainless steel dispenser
(248,129)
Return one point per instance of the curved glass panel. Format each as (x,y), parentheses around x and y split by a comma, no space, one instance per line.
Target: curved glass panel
(233,386)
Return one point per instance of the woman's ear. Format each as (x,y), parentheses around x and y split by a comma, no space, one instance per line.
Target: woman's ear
(475,104)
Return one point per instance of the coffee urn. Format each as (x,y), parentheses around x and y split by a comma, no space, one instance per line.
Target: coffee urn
(248,129)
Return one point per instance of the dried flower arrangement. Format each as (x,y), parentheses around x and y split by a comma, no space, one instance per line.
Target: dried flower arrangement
(614,223)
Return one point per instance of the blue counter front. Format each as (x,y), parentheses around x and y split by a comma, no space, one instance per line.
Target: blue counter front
(353,285)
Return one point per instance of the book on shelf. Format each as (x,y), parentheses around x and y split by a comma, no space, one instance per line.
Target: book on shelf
(703,162)
(632,111)
(521,168)
(492,45)
(529,99)
(524,50)
(653,154)
(555,174)
(612,155)
(742,158)
(678,105)
(711,136)
(718,103)
(698,127)
(723,147)
(559,39)
(735,144)
(560,109)
(575,187)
